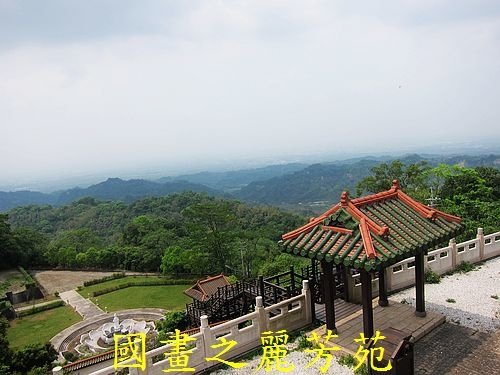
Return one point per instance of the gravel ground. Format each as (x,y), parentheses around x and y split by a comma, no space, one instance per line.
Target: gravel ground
(61,281)
(474,306)
(298,358)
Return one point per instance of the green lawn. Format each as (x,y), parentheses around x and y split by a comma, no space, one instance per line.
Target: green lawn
(40,327)
(86,291)
(169,297)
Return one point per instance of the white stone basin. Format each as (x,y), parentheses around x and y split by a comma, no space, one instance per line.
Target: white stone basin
(102,338)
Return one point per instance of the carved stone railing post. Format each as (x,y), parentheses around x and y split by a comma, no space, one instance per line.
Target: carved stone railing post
(206,337)
(480,237)
(453,250)
(261,310)
(306,291)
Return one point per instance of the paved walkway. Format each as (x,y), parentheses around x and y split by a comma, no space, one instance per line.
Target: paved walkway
(396,315)
(455,350)
(83,306)
(343,309)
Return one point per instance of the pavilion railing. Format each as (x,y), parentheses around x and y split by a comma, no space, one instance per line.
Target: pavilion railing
(445,259)
(234,300)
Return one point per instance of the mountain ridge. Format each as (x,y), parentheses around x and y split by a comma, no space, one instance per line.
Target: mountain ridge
(288,184)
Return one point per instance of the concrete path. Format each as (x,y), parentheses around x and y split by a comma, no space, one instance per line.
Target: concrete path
(83,306)
(456,350)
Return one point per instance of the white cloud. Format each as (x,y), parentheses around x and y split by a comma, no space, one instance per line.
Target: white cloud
(228,80)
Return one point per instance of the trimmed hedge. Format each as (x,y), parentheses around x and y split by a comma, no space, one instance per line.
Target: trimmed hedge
(4,306)
(36,309)
(140,283)
(104,279)
(27,277)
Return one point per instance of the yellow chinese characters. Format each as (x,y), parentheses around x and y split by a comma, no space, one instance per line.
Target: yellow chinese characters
(362,353)
(228,344)
(130,351)
(322,351)
(178,357)
(274,352)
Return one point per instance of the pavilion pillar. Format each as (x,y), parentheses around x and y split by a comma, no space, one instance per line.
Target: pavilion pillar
(347,280)
(366,299)
(419,285)
(382,289)
(329,290)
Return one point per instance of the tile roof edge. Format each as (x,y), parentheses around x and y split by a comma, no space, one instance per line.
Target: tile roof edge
(367,239)
(305,228)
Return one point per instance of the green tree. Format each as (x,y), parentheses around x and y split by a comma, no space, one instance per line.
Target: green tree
(34,356)
(412,178)
(282,263)
(31,245)
(8,245)
(5,351)
(465,193)
(175,260)
(211,225)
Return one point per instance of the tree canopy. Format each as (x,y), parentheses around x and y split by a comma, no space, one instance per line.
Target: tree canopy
(471,193)
(182,233)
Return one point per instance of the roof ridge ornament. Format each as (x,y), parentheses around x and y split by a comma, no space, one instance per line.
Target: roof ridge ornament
(344,199)
(395,185)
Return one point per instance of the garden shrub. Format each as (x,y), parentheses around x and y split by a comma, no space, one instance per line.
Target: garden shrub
(29,281)
(173,320)
(432,277)
(104,279)
(465,267)
(36,309)
(140,283)
(303,342)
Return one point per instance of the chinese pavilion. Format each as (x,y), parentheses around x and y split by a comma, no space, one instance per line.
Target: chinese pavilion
(369,234)
(205,288)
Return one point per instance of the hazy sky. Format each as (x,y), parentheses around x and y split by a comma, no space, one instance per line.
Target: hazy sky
(107,85)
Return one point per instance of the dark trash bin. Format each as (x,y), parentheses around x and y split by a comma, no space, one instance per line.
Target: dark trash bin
(398,350)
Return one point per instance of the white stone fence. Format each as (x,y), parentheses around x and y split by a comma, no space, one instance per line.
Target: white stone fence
(402,274)
(291,314)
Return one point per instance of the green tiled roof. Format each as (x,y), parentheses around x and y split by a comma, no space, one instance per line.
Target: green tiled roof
(372,232)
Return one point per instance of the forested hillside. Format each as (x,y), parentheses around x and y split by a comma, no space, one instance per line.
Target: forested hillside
(111,189)
(318,182)
(285,185)
(323,183)
(471,193)
(234,180)
(182,233)
(194,233)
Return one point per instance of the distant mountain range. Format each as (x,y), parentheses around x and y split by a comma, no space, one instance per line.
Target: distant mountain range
(111,189)
(234,180)
(288,184)
(321,184)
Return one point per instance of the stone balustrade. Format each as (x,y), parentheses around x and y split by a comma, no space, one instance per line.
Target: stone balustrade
(291,314)
(402,274)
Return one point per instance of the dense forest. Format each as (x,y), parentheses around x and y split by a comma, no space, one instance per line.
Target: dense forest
(182,233)
(325,182)
(193,233)
(111,189)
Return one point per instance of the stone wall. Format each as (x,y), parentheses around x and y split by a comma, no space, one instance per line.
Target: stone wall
(402,275)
